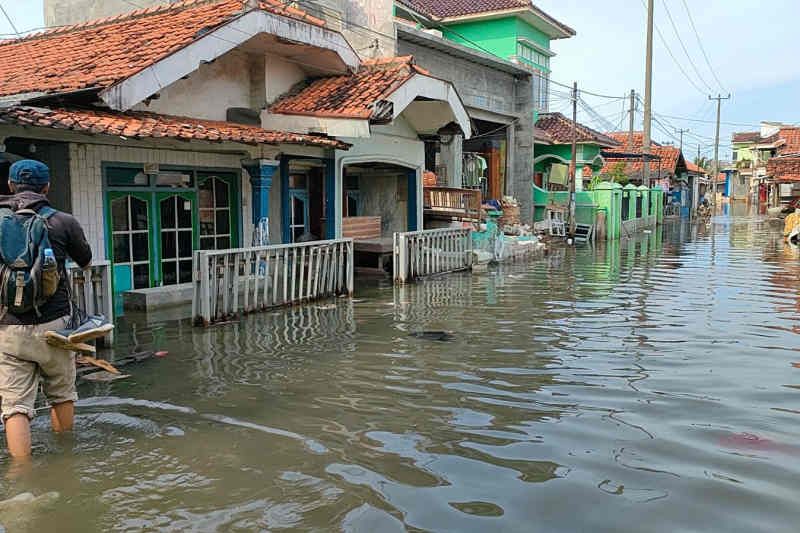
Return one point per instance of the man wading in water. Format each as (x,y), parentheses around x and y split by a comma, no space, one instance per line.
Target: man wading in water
(34,299)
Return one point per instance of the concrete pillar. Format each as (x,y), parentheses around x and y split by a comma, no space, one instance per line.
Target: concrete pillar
(451,157)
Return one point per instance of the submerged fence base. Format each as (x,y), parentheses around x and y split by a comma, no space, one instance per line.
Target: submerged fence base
(434,251)
(244,280)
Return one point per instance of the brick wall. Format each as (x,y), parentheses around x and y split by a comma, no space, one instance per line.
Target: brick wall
(86,162)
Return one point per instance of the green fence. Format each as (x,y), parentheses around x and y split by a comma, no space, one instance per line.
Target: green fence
(606,197)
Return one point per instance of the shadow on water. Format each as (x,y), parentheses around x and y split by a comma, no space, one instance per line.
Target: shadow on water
(648,381)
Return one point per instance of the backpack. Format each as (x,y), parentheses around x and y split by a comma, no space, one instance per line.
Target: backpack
(27,280)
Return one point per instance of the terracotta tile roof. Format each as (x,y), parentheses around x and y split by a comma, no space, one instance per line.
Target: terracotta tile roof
(784,168)
(791,140)
(747,137)
(541,137)
(691,167)
(99,53)
(443,9)
(559,128)
(670,161)
(349,96)
(140,125)
(624,137)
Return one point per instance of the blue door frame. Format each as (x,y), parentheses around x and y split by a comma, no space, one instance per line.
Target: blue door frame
(329,209)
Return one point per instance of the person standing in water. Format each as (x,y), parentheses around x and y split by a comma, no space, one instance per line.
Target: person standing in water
(35,299)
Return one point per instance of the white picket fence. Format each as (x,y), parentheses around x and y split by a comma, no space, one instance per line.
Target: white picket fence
(244,280)
(434,251)
(91,289)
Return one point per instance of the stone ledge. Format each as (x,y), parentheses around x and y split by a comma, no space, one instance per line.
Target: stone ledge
(157,297)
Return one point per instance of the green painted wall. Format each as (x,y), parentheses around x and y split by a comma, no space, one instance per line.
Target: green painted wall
(526,31)
(497,36)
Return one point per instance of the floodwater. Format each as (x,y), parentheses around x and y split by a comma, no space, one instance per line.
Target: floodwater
(645,386)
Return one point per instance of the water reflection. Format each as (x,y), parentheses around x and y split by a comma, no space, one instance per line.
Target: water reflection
(648,381)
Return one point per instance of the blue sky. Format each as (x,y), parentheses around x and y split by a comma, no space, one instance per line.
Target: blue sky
(746,45)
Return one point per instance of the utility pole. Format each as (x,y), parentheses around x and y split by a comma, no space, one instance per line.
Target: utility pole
(648,94)
(632,124)
(682,131)
(719,98)
(573,164)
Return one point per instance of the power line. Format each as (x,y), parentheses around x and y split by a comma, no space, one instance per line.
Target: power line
(674,59)
(683,46)
(8,18)
(702,48)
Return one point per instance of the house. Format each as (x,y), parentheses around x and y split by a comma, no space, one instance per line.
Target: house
(667,166)
(215,124)
(555,134)
(497,161)
(766,163)
(515,31)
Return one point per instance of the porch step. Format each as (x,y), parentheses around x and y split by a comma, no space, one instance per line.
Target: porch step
(157,297)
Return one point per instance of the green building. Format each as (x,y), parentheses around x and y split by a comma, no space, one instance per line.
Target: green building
(514,30)
(553,135)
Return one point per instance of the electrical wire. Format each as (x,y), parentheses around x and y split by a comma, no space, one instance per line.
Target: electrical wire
(674,59)
(683,46)
(702,48)
(8,18)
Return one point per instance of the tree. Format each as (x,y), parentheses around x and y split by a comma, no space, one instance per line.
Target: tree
(702,162)
(617,174)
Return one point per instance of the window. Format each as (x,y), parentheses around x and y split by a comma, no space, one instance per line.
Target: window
(531,55)
(214,194)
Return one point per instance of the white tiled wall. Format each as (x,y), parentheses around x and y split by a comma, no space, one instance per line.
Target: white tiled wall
(87,182)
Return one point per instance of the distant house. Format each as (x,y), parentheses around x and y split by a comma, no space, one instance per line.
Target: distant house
(667,166)
(783,170)
(554,134)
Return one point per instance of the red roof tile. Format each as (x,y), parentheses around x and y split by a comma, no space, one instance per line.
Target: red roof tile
(99,53)
(349,96)
(139,125)
(624,138)
(691,167)
(791,140)
(784,168)
(442,9)
(670,160)
(559,128)
(747,137)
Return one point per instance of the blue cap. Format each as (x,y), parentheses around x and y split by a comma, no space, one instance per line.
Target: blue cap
(29,172)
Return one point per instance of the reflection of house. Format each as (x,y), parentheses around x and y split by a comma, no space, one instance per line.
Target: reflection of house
(554,135)
(161,146)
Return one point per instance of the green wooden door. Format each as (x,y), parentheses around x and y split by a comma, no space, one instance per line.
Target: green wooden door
(176,236)
(129,247)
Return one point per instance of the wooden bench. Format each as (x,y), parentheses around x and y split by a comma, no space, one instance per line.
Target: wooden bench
(369,246)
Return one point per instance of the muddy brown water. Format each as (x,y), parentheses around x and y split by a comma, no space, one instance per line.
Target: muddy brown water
(644,386)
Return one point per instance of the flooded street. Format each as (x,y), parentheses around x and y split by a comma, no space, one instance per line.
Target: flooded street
(643,386)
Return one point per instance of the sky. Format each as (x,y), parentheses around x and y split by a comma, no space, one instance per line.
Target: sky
(747,47)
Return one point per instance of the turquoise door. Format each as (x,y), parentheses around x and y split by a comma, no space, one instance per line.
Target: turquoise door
(130,249)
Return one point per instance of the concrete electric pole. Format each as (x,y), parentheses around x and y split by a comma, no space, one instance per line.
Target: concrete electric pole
(573,164)
(681,132)
(719,99)
(648,95)
(632,124)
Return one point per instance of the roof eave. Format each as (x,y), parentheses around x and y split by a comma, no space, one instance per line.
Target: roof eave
(128,92)
(537,18)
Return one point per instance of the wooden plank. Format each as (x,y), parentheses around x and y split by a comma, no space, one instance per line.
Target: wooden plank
(235,287)
(265,298)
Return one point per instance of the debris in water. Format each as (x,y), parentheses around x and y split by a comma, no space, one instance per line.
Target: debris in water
(325,307)
(796,365)
(99,363)
(440,336)
(104,376)
(161,353)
